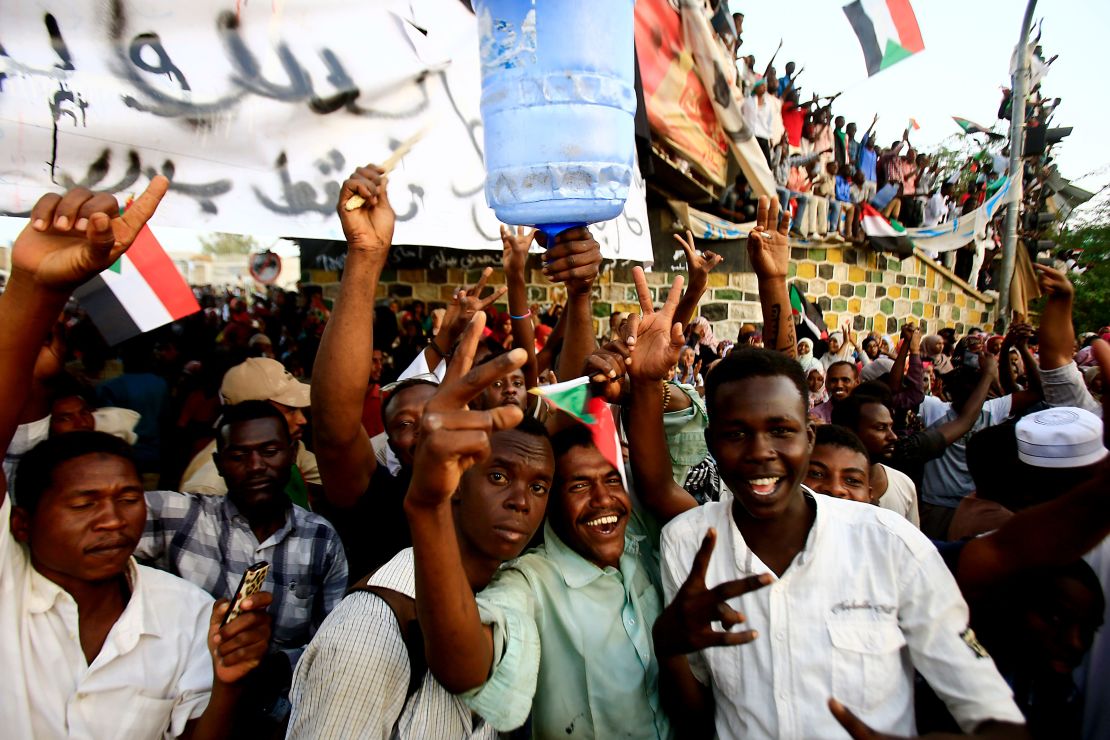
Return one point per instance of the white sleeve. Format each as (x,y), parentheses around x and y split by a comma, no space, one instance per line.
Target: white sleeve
(195,686)
(998,409)
(419,366)
(353,677)
(934,618)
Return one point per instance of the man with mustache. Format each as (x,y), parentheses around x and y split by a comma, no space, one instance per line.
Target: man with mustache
(96,645)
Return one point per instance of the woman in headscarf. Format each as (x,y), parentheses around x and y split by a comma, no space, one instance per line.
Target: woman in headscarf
(839,350)
(815,380)
(933,350)
(806,358)
(703,341)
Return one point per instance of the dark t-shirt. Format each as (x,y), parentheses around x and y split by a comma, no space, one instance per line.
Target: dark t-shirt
(914,450)
(374,529)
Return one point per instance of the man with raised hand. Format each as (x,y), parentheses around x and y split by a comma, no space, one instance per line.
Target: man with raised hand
(852,599)
(96,645)
(363,674)
(544,636)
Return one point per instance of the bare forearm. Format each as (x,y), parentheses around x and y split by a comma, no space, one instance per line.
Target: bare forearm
(690,300)
(26,314)
(218,719)
(1057,334)
(899,370)
(342,374)
(778,322)
(688,703)
(579,339)
(961,425)
(523,331)
(457,645)
(648,454)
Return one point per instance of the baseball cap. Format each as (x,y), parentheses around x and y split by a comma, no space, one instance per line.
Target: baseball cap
(263,379)
(1062,437)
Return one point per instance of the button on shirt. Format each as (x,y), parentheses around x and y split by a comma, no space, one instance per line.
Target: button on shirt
(865,602)
(153,673)
(206,541)
(597,676)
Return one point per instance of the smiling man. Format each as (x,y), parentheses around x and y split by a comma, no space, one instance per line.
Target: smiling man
(839,466)
(840,379)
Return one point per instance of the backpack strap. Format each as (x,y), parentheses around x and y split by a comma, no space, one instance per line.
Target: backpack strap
(404,610)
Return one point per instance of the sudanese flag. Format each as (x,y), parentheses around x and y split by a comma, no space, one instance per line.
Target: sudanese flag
(887,31)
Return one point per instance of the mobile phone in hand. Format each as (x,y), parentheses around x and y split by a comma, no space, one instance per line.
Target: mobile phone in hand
(250,583)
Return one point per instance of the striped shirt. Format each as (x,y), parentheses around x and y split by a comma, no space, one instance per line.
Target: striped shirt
(205,540)
(353,678)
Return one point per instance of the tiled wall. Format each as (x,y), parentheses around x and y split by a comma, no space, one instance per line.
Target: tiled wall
(876,291)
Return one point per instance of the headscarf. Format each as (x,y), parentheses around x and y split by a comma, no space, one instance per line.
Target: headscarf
(934,352)
(819,397)
(706,339)
(808,361)
(844,354)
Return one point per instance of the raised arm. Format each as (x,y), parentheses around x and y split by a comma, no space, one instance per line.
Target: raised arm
(574,260)
(70,238)
(342,370)
(515,260)
(769,253)
(1053,533)
(953,430)
(656,350)
(458,647)
(698,267)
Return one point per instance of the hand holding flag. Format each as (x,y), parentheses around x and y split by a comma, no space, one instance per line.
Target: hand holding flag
(72,237)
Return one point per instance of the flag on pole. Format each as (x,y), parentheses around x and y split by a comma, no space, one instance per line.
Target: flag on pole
(807,316)
(885,236)
(971,127)
(573,398)
(887,31)
(913,125)
(140,292)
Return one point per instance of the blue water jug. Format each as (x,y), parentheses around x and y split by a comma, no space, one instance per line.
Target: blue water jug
(558,107)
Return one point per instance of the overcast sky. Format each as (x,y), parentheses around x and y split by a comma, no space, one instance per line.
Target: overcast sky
(966,61)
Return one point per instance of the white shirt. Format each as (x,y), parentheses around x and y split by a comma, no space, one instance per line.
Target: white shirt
(761,118)
(900,496)
(153,673)
(946,479)
(866,602)
(352,679)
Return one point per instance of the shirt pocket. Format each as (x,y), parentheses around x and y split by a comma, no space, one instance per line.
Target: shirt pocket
(135,715)
(866,662)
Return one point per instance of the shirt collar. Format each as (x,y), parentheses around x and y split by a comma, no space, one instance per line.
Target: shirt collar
(139,617)
(232,513)
(744,555)
(578,572)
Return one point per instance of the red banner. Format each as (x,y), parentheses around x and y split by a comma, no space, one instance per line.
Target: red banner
(678,106)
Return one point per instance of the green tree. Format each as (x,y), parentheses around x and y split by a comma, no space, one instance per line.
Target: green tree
(1092,286)
(221,245)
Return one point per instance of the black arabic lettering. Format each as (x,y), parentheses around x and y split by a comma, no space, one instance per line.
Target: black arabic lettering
(348,93)
(98,170)
(58,43)
(165,65)
(300,197)
(202,193)
(62,96)
(249,75)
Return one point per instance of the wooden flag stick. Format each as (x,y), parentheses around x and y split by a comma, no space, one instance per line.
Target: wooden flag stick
(357,201)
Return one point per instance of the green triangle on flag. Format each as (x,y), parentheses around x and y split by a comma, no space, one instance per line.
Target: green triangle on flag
(571,396)
(893,54)
(117,266)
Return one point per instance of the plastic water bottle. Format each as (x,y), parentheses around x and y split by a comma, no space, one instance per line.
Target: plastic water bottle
(558,107)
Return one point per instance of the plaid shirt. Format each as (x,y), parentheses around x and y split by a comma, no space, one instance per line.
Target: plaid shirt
(205,540)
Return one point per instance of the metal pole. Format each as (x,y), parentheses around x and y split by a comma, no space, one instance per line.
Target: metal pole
(1020,86)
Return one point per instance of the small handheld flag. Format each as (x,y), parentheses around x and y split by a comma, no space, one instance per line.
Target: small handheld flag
(885,236)
(887,31)
(913,125)
(141,291)
(573,398)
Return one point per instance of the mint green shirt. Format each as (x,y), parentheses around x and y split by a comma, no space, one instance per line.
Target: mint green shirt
(598,676)
(685,433)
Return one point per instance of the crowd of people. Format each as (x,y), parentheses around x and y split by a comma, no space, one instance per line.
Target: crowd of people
(797,537)
(825,169)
